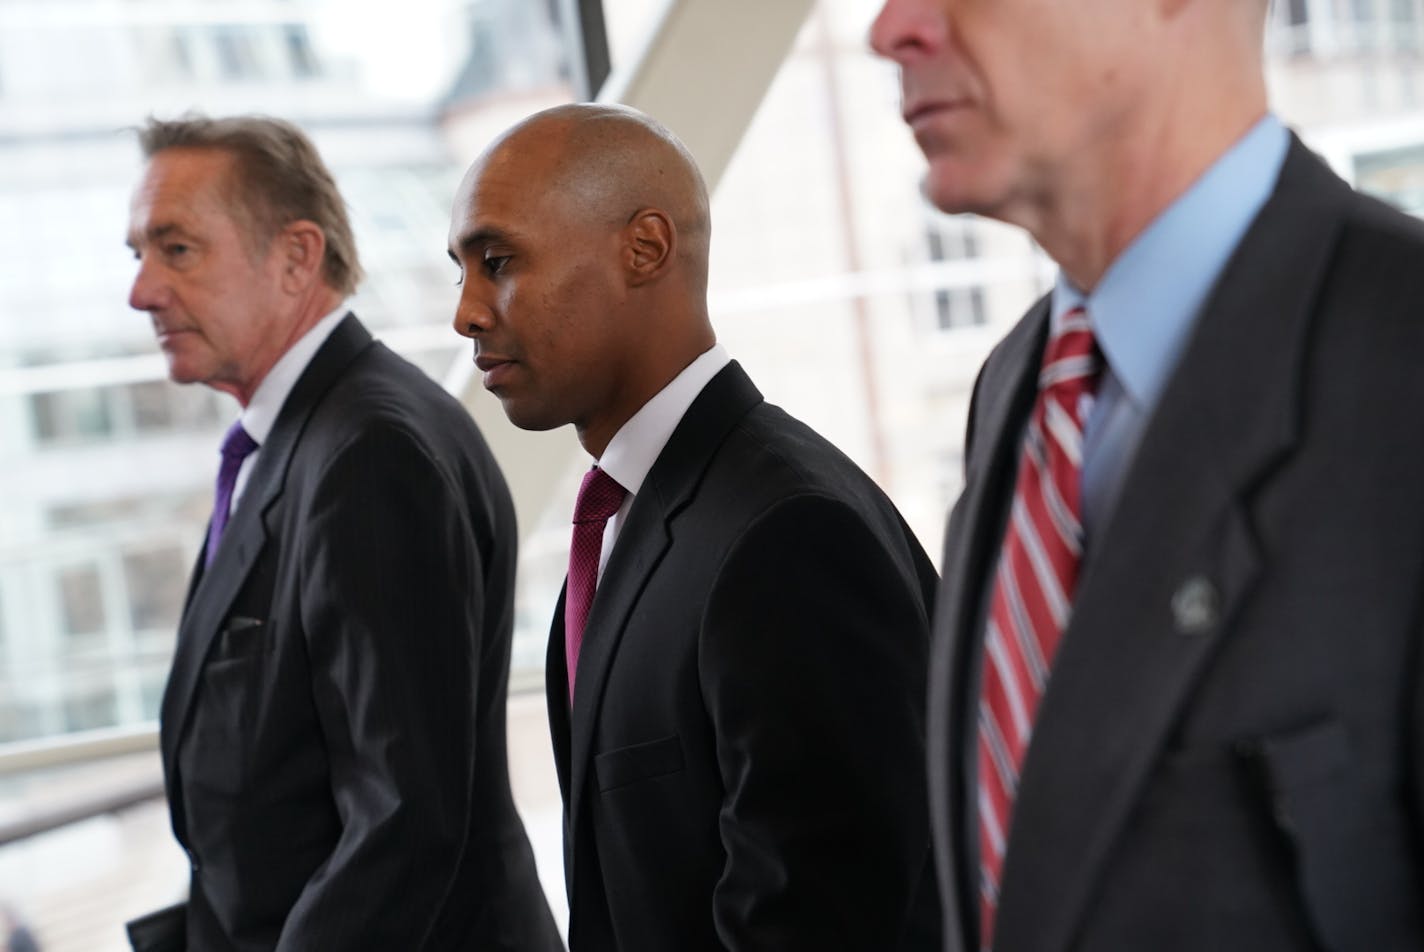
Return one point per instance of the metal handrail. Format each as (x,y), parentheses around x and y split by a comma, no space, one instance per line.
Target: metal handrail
(77,810)
(68,749)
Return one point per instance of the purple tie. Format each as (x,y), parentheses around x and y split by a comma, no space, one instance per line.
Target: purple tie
(599,497)
(236,447)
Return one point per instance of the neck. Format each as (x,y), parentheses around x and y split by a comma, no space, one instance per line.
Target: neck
(312,308)
(677,344)
(1085,216)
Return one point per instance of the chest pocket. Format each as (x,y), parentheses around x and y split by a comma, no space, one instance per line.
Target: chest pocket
(628,765)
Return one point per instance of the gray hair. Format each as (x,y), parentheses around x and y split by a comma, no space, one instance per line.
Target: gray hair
(278,178)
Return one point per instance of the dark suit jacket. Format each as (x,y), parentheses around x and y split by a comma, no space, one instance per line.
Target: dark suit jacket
(1230,752)
(742,767)
(333,730)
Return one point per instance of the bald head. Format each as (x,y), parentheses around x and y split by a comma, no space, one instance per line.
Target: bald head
(603,164)
(582,236)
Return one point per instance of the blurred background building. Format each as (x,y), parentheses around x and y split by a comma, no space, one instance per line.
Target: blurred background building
(850,301)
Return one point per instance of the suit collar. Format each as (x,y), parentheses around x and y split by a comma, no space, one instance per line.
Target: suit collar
(630,455)
(260,414)
(644,540)
(996,426)
(1170,268)
(246,534)
(1227,420)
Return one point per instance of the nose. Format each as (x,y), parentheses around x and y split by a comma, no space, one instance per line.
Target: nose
(904,26)
(473,315)
(149,291)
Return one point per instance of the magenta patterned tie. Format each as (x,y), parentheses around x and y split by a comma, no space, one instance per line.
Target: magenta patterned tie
(598,498)
(236,447)
(1033,588)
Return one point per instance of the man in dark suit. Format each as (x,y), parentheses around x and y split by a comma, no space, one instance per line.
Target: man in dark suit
(1175,690)
(333,731)
(741,759)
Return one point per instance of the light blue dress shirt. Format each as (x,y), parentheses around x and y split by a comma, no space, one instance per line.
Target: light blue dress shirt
(1145,306)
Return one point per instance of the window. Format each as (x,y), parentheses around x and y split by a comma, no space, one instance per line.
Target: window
(156,580)
(81,600)
(96,569)
(91,707)
(180,54)
(1293,30)
(299,50)
(68,416)
(955,306)
(237,55)
(1396,175)
(1403,26)
(160,406)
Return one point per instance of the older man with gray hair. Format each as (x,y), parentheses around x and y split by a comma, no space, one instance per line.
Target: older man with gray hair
(333,730)
(1177,684)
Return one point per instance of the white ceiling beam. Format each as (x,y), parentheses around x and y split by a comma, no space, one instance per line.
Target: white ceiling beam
(705,68)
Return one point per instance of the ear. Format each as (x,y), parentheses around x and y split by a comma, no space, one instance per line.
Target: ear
(650,240)
(301,249)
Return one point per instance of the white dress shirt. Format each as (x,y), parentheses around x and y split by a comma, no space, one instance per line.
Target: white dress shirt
(261,412)
(1149,300)
(634,449)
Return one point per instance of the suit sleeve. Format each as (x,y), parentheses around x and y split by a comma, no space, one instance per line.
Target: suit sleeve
(812,664)
(391,595)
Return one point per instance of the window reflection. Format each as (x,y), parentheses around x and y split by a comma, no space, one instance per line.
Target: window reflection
(106,467)
(81,602)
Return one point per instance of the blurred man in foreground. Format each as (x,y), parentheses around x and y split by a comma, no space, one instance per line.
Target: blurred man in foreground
(1175,693)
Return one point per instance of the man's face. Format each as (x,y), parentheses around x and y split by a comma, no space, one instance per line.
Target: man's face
(214,301)
(540,295)
(1006,98)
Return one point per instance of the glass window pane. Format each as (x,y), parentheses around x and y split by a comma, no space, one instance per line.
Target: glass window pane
(81,600)
(103,456)
(156,580)
(71,415)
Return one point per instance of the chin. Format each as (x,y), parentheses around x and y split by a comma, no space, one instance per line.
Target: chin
(950,190)
(180,373)
(959,184)
(187,363)
(530,418)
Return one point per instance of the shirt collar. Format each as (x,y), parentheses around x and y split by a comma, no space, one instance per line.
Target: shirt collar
(260,415)
(630,455)
(1147,301)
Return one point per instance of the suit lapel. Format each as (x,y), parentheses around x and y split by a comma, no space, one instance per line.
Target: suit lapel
(246,534)
(642,543)
(1138,639)
(971,547)
(556,694)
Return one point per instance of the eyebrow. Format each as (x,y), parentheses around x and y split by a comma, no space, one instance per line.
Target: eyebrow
(153,233)
(471,240)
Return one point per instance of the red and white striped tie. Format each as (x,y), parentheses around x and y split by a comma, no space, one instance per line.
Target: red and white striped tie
(1033,588)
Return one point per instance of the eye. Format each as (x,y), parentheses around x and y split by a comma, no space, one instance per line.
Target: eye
(494,264)
(176,249)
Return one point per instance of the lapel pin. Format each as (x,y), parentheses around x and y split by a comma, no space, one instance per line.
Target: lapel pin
(1195,606)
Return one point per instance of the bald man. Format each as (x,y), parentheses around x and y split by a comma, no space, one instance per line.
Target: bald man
(735,670)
